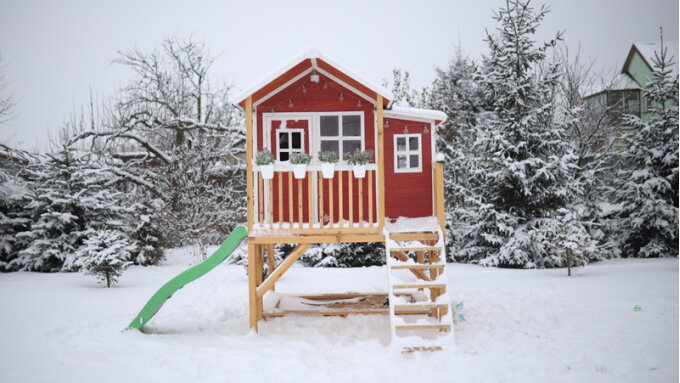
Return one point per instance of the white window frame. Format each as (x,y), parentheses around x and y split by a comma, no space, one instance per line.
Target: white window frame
(290,149)
(408,152)
(361,137)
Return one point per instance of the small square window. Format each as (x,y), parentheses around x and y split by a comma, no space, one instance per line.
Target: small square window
(297,140)
(408,153)
(329,126)
(330,146)
(349,146)
(351,125)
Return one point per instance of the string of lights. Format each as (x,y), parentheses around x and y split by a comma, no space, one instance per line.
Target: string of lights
(315,77)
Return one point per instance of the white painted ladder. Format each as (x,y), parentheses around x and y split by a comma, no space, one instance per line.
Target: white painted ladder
(420,312)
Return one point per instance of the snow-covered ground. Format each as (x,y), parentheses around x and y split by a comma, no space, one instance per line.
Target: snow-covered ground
(522,326)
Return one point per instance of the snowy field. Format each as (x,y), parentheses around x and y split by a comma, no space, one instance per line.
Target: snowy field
(522,326)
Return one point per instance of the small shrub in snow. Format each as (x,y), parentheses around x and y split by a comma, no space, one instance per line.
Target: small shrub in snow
(105,255)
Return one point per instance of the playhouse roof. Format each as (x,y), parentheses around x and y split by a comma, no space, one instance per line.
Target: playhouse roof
(406,113)
(308,60)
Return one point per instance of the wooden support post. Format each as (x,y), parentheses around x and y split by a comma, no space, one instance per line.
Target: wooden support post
(252,284)
(381,163)
(259,270)
(271,260)
(439,197)
(283,267)
(249,162)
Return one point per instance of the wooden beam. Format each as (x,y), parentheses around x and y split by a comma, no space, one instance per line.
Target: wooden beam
(279,176)
(414,236)
(370,196)
(381,162)
(439,182)
(249,160)
(417,272)
(341,204)
(252,285)
(283,267)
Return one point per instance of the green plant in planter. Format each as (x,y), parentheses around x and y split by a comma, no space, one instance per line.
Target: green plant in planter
(359,157)
(329,157)
(300,159)
(264,157)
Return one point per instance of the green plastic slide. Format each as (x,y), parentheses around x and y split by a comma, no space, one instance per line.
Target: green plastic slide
(164,293)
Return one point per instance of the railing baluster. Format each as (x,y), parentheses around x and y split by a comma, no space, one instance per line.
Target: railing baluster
(341,214)
(320,185)
(271,201)
(299,187)
(279,178)
(331,206)
(361,201)
(291,219)
(260,195)
(370,197)
(350,176)
(310,200)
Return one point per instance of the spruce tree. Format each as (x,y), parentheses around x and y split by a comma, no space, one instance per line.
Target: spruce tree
(105,255)
(648,194)
(523,166)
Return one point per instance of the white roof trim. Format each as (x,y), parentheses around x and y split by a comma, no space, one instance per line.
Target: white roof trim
(311,53)
(405,113)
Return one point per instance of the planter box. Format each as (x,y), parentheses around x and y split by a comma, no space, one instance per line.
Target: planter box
(327,169)
(359,171)
(267,171)
(300,171)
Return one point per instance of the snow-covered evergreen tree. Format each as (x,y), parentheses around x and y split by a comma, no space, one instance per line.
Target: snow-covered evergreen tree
(523,166)
(455,92)
(12,190)
(105,254)
(648,194)
(70,197)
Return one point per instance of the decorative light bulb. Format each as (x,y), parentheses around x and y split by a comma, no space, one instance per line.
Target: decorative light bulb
(405,129)
(359,104)
(425,129)
(314,77)
(273,110)
(387,124)
(290,103)
(304,89)
(325,84)
(342,97)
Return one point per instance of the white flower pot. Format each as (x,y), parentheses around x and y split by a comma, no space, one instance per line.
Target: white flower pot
(299,170)
(359,171)
(267,171)
(328,169)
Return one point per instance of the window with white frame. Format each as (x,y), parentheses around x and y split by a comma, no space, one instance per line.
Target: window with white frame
(289,141)
(408,153)
(342,133)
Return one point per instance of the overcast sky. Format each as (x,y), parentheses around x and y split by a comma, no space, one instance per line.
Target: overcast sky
(56,51)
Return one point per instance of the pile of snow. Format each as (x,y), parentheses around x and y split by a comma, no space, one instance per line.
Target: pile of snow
(522,326)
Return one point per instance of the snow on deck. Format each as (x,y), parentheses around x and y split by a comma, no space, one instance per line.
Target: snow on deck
(522,326)
(412,225)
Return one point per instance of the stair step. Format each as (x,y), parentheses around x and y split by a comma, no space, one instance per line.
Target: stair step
(416,248)
(419,306)
(443,327)
(408,349)
(418,266)
(420,285)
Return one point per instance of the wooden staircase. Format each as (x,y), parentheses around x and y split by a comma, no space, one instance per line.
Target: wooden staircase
(420,312)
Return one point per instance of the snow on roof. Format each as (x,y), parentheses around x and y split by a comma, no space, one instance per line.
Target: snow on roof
(408,112)
(311,53)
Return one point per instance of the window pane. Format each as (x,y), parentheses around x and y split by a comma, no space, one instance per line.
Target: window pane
(283,156)
(349,146)
(330,146)
(351,125)
(413,143)
(401,143)
(413,161)
(296,140)
(283,140)
(401,162)
(329,126)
